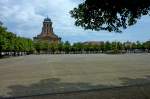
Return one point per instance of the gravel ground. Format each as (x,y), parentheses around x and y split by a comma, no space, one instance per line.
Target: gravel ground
(43,74)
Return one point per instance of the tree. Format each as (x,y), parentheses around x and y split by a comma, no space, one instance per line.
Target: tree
(120,46)
(2,42)
(3,38)
(60,47)
(139,45)
(107,46)
(109,15)
(78,47)
(11,44)
(67,47)
(102,47)
(40,45)
(147,45)
(134,47)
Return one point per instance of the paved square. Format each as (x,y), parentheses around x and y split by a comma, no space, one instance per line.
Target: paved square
(41,74)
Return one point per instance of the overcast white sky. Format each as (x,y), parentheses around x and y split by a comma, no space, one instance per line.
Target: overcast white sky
(25,17)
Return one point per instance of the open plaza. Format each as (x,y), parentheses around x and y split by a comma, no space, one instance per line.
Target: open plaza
(48,74)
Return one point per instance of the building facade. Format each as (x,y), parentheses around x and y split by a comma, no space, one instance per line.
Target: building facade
(47,32)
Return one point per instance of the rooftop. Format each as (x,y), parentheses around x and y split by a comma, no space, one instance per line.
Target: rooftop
(47,19)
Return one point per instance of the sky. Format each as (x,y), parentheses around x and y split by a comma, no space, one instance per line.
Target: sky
(25,17)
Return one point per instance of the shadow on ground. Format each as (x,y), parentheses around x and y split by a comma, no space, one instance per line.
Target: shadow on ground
(138,88)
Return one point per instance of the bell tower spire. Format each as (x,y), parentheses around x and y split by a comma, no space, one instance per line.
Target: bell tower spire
(47,32)
(47,28)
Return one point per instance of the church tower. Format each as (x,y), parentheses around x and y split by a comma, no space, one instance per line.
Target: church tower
(47,32)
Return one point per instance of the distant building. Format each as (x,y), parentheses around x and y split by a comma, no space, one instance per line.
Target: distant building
(93,43)
(47,32)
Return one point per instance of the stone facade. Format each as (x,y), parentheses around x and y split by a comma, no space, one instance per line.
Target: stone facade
(47,32)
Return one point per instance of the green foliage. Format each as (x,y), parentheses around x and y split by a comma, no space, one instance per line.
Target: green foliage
(108,46)
(66,47)
(146,45)
(101,47)
(109,15)
(9,42)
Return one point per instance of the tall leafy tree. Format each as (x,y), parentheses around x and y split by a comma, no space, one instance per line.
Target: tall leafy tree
(9,42)
(67,47)
(147,45)
(3,38)
(109,15)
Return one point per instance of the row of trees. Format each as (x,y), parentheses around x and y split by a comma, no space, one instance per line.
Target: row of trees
(13,45)
(90,47)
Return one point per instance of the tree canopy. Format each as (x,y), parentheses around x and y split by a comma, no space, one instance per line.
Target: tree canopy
(109,15)
(13,44)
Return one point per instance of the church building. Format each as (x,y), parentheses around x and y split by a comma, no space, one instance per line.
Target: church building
(47,32)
